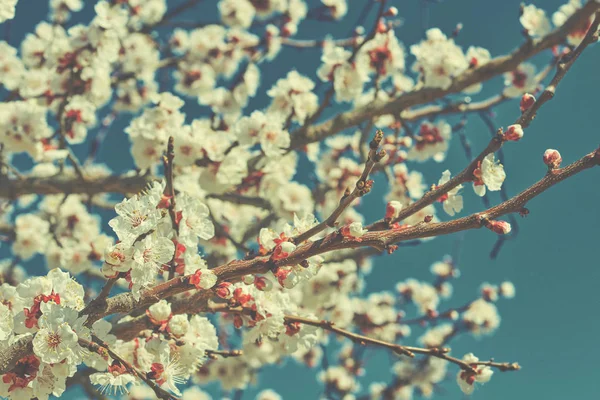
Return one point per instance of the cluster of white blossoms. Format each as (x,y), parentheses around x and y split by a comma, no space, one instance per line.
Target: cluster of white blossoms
(536,23)
(7,9)
(213,273)
(47,309)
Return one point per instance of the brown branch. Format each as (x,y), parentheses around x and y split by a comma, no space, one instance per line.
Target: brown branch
(562,68)
(397,348)
(463,107)
(331,91)
(495,67)
(379,240)
(306,44)
(234,271)
(70,183)
(76,165)
(466,175)
(100,300)
(453,108)
(214,354)
(169,192)
(12,188)
(362,187)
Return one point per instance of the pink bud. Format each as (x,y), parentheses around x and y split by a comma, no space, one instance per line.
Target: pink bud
(552,158)
(381,26)
(223,290)
(391,12)
(392,209)
(513,133)
(526,102)
(262,283)
(500,227)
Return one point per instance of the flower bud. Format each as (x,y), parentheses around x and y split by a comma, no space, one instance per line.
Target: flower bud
(159,313)
(283,250)
(353,231)
(526,102)
(391,12)
(507,290)
(223,290)
(513,133)
(248,279)
(263,284)
(500,227)
(392,209)
(203,279)
(552,158)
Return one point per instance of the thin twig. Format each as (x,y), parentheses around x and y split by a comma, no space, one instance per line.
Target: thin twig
(409,351)
(466,175)
(362,187)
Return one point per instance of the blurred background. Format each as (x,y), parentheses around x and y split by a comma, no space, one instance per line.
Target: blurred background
(552,325)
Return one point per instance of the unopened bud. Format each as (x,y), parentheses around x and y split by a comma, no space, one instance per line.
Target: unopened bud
(392,209)
(526,102)
(263,284)
(391,12)
(457,30)
(500,227)
(552,158)
(453,315)
(376,140)
(223,290)
(513,133)
(289,29)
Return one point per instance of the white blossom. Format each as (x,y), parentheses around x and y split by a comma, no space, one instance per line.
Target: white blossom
(7,9)
(466,380)
(534,21)
(452,201)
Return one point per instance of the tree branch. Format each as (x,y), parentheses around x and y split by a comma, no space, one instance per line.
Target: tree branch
(409,351)
(495,67)
(71,184)
(466,175)
(234,271)
(362,187)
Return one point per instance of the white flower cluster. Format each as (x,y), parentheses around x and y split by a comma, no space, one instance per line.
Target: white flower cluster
(7,9)
(245,185)
(148,242)
(440,60)
(64,232)
(46,308)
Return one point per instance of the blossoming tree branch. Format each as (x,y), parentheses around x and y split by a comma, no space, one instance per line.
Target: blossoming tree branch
(217,254)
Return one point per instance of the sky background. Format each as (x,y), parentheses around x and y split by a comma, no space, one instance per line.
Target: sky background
(551,327)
